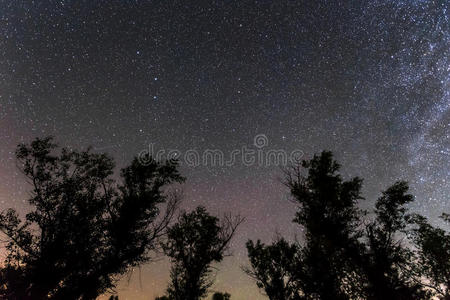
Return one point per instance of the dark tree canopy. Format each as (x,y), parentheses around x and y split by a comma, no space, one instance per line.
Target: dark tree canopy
(433,262)
(330,217)
(195,242)
(84,229)
(275,268)
(388,260)
(344,255)
(221,296)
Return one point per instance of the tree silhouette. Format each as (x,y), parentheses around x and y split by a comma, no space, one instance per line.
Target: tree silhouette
(343,256)
(275,268)
(221,296)
(387,259)
(433,254)
(84,229)
(193,244)
(330,217)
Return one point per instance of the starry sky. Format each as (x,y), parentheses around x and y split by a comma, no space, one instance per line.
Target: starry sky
(369,80)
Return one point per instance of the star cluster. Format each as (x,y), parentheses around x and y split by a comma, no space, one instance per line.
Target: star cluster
(368,80)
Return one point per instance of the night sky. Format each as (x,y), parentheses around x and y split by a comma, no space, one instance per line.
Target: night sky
(368,80)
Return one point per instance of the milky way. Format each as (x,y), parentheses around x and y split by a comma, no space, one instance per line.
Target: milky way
(368,80)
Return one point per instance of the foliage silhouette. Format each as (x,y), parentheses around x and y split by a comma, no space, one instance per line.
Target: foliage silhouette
(330,217)
(274,268)
(433,254)
(221,296)
(345,257)
(388,260)
(193,244)
(84,229)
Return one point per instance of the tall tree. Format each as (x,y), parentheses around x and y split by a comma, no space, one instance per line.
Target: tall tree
(84,229)
(195,242)
(342,257)
(388,260)
(330,218)
(275,268)
(433,253)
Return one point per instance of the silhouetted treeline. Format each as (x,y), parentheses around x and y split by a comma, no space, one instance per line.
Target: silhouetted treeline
(346,254)
(85,229)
